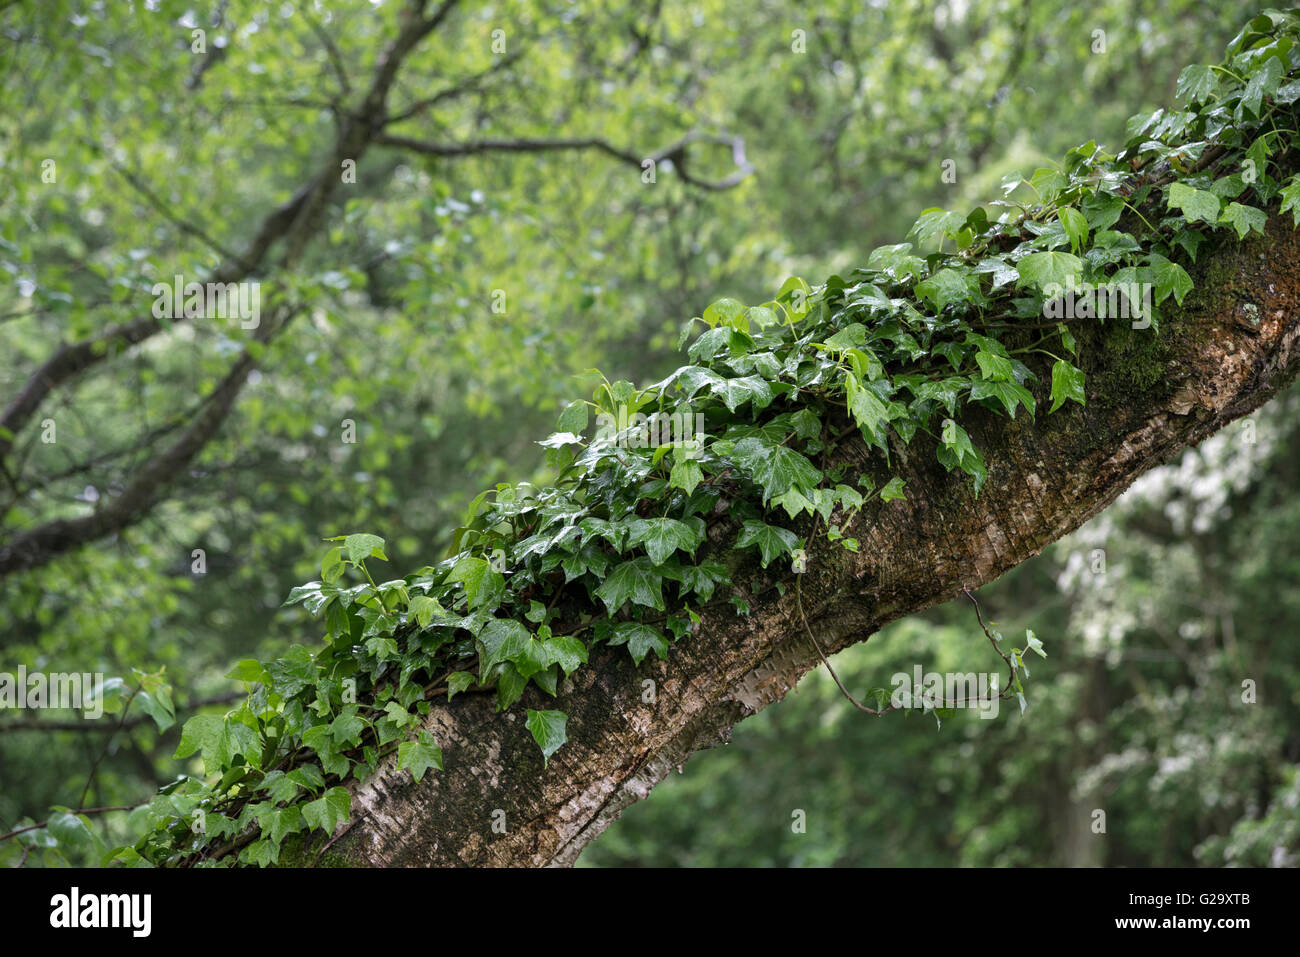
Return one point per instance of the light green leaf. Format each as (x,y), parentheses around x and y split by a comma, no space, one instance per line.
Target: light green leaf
(1048,269)
(329,810)
(419,755)
(1197,83)
(574,418)
(1067,383)
(944,287)
(893,489)
(1244,219)
(1195,204)
(1075,225)
(549,730)
(457,682)
(361,547)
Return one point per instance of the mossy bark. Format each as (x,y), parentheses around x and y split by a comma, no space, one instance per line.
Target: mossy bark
(1226,350)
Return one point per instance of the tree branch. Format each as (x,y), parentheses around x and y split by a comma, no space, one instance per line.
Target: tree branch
(1045,479)
(674,152)
(45,542)
(84,726)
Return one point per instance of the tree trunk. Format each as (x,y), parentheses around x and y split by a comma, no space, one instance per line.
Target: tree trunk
(1229,348)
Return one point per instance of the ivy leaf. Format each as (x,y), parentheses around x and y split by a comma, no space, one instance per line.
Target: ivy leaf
(294,671)
(329,810)
(736,392)
(549,730)
(1195,204)
(1263,82)
(663,536)
(331,568)
(637,580)
(1002,271)
(775,467)
(702,579)
(852,336)
(994,366)
(1197,83)
(1170,278)
(772,541)
(1048,269)
(280,822)
(935,222)
(893,489)
(869,412)
(307,776)
(896,260)
(218,739)
(309,593)
(574,418)
(279,787)
(531,658)
(558,440)
(686,475)
(70,829)
(945,391)
(566,651)
(944,287)
(955,438)
(262,852)
(1075,225)
(422,608)
(724,312)
(419,755)
(500,640)
(157,706)
(1067,383)
(1291,198)
(361,547)
(1010,394)
(346,729)
(482,584)
(957,451)
(1244,219)
(640,639)
(457,682)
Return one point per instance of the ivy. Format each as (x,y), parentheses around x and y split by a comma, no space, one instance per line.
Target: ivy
(728,459)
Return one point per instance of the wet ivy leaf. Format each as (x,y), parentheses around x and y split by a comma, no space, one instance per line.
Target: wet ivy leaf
(549,730)
(1067,384)
(772,541)
(419,755)
(328,811)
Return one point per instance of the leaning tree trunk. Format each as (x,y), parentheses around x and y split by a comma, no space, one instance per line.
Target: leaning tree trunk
(1229,348)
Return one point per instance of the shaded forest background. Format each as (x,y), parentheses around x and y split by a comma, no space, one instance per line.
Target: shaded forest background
(848,112)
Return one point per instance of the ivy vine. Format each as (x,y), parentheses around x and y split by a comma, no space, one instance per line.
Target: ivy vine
(618,549)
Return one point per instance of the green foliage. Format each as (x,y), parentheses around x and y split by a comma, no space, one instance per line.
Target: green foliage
(897,353)
(886,350)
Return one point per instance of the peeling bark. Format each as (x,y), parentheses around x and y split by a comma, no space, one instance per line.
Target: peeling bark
(1227,350)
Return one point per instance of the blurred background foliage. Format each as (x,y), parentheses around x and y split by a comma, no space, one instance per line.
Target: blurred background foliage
(1153,615)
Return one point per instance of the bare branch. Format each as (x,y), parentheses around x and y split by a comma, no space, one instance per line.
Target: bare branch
(332,51)
(38,546)
(89,726)
(674,153)
(468,85)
